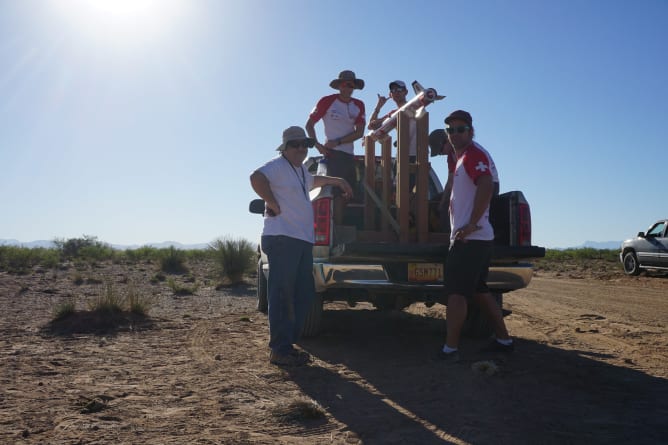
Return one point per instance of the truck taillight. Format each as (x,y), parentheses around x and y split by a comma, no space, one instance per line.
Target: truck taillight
(322,218)
(524,224)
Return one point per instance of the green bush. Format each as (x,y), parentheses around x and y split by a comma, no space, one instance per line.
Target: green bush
(64,309)
(87,248)
(20,260)
(233,257)
(144,253)
(173,261)
(182,289)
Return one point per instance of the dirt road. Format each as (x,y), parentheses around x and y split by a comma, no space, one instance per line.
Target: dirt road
(590,367)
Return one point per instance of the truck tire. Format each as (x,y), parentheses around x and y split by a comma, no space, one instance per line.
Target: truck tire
(631,266)
(313,318)
(262,302)
(477,325)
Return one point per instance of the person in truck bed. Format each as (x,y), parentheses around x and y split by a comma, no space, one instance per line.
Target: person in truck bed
(344,118)
(467,263)
(398,92)
(287,239)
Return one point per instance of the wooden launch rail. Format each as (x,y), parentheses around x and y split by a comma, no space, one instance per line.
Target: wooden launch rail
(379,188)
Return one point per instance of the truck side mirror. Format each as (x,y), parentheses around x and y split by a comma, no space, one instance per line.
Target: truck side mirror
(256,206)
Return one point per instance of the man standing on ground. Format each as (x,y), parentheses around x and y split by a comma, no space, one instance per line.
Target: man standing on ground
(287,239)
(467,263)
(440,146)
(344,119)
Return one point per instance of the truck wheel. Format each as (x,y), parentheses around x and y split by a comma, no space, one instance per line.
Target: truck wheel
(262,302)
(477,325)
(631,266)
(313,318)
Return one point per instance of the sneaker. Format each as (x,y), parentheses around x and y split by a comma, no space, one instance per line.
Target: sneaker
(450,357)
(495,346)
(293,358)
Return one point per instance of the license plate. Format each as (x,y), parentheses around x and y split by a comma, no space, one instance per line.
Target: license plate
(425,272)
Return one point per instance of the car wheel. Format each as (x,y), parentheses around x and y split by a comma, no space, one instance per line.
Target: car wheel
(262,302)
(631,266)
(477,325)
(313,318)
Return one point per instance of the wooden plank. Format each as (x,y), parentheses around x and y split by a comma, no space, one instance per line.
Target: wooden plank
(403,205)
(422,179)
(369,178)
(386,185)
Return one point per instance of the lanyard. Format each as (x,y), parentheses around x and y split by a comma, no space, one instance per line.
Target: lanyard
(302,180)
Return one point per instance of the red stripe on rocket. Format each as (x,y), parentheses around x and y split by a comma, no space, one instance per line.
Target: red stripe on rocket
(423,97)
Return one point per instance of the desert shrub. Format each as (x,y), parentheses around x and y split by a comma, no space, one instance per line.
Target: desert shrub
(136,302)
(298,411)
(113,301)
(110,301)
(180,288)
(20,260)
(565,259)
(87,248)
(144,253)
(233,257)
(173,260)
(64,309)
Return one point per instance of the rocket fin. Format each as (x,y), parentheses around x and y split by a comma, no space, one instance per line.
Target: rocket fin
(417,87)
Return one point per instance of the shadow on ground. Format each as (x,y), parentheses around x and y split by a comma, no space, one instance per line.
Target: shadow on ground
(383,369)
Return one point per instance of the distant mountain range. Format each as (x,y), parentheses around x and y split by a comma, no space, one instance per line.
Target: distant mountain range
(163,245)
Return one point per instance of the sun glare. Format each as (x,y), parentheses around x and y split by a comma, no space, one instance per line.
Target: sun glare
(125,23)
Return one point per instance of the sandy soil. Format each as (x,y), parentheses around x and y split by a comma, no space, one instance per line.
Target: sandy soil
(590,367)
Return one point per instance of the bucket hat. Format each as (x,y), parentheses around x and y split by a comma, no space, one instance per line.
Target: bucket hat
(294,133)
(344,76)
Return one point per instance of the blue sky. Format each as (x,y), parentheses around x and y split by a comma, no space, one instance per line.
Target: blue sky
(140,121)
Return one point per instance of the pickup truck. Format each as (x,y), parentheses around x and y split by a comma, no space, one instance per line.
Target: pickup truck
(393,274)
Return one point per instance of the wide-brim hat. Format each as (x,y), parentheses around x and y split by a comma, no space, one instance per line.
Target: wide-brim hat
(345,76)
(295,133)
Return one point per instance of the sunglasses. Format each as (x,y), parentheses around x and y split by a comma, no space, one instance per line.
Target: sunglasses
(305,143)
(348,84)
(397,90)
(460,129)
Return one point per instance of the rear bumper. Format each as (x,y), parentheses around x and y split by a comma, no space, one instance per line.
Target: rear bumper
(373,278)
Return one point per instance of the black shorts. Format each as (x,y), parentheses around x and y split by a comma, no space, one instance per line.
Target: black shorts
(341,165)
(466,268)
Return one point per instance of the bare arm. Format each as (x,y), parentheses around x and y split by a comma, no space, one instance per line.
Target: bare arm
(374,122)
(319,181)
(310,130)
(260,184)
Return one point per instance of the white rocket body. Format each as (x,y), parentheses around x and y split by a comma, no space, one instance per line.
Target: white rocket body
(413,107)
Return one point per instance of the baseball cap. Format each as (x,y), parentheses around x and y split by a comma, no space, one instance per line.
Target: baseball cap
(461,115)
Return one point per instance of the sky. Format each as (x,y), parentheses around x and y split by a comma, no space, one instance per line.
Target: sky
(140,121)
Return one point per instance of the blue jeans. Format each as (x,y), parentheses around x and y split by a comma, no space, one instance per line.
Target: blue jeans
(291,289)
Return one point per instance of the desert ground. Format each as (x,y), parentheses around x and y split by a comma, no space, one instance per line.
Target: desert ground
(590,367)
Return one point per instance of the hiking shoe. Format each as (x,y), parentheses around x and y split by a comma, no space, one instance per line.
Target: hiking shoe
(294,358)
(449,357)
(495,346)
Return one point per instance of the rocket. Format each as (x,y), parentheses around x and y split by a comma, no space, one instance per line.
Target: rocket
(414,107)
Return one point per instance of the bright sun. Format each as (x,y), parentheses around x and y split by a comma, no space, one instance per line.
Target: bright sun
(120,22)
